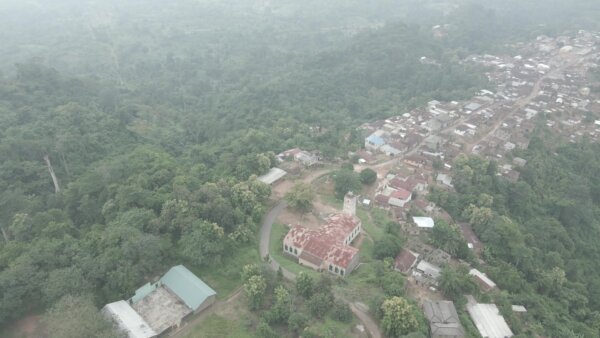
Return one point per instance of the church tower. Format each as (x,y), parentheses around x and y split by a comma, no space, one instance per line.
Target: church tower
(350,204)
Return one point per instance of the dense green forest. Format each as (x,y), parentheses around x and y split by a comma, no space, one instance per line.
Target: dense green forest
(541,233)
(157,116)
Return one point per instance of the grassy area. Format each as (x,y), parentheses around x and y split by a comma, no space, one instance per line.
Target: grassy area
(332,328)
(369,226)
(225,278)
(215,326)
(332,201)
(276,251)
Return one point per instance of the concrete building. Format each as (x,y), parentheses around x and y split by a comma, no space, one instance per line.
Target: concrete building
(443,319)
(429,269)
(328,247)
(400,197)
(374,142)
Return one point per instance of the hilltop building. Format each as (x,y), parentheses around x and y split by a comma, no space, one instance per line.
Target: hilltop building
(328,247)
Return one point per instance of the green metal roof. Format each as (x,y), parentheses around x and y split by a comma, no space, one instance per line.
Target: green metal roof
(187,286)
(143,292)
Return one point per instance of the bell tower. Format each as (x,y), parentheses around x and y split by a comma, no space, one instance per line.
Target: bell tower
(350,204)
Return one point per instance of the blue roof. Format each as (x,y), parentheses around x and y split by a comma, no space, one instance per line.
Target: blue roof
(376,140)
(187,286)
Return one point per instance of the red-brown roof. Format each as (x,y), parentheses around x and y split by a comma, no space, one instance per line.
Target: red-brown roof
(341,255)
(382,199)
(405,260)
(401,194)
(327,242)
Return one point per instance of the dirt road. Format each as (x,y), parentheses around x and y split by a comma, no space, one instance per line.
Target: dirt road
(265,234)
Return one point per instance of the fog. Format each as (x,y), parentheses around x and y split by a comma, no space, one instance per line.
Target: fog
(99,37)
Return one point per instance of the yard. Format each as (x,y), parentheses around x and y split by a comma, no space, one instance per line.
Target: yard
(226,278)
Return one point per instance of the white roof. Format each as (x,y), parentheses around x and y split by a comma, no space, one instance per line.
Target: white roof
(128,320)
(483,277)
(488,321)
(519,308)
(424,222)
(272,176)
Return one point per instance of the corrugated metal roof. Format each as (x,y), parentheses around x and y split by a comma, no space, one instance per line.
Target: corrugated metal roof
(191,289)
(143,292)
(128,320)
(376,140)
(272,176)
(488,321)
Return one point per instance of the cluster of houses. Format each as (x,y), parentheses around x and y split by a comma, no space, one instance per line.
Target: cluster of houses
(550,83)
(397,190)
(556,74)
(158,308)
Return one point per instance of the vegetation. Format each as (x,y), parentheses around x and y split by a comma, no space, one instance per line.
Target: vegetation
(156,120)
(368,176)
(74,317)
(300,197)
(540,234)
(399,317)
(346,180)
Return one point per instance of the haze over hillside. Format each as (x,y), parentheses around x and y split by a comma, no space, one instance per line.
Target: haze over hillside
(138,136)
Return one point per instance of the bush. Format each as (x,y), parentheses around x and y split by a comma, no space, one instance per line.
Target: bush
(388,246)
(341,312)
(297,321)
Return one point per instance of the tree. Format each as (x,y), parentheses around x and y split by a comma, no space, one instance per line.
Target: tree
(297,322)
(263,330)
(368,176)
(448,238)
(62,282)
(345,181)
(203,244)
(388,246)
(75,317)
(250,270)
(255,290)
(304,284)
(319,304)
(300,197)
(399,317)
(280,310)
(456,282)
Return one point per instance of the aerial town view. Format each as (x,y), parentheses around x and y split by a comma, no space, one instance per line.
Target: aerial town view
(271,168)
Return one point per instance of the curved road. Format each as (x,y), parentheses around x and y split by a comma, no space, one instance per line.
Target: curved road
(265,234)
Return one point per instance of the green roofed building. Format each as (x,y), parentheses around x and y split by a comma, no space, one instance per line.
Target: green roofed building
(158,308)
(189,288)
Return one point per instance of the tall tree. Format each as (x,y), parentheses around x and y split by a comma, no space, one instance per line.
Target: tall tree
(76,317)
(399,317)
